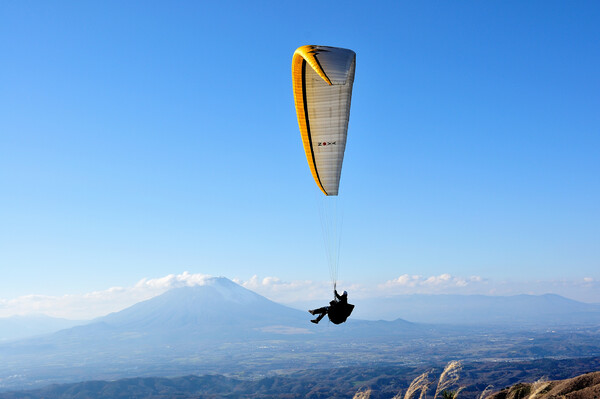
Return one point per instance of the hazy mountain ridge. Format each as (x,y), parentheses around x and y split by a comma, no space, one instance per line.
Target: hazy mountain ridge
(521,310)
(17,327)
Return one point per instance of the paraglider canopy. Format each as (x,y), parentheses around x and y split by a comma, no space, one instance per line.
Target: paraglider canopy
(322,80)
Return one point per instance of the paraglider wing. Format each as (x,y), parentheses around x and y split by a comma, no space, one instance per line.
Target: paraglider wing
(322,79)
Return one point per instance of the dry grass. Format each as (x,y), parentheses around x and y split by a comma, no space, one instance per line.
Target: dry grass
(362,394)
(448,378)
(486,392)
(538,387)
(421,384)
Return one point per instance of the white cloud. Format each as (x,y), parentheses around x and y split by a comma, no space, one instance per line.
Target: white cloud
(407,284)
(186,279)
(405,281)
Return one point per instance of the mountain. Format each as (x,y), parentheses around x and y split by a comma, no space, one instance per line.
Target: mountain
(17,327)
(519,310)
(209,309)
(197,316)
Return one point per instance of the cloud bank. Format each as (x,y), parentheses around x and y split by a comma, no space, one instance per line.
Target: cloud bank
(97,303)
(100,303)
(304,291)
(442,284)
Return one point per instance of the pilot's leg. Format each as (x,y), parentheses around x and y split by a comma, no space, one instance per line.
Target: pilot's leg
(321,312)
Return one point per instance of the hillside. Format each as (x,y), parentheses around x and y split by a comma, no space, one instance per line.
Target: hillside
(585,386)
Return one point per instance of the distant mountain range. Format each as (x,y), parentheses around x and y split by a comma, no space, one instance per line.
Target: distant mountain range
(221,327)
(519,310)
(223,302)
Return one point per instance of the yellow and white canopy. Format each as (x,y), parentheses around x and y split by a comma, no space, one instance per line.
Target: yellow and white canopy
(322,78)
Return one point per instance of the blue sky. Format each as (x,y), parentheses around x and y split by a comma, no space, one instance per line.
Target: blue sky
(142,139)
